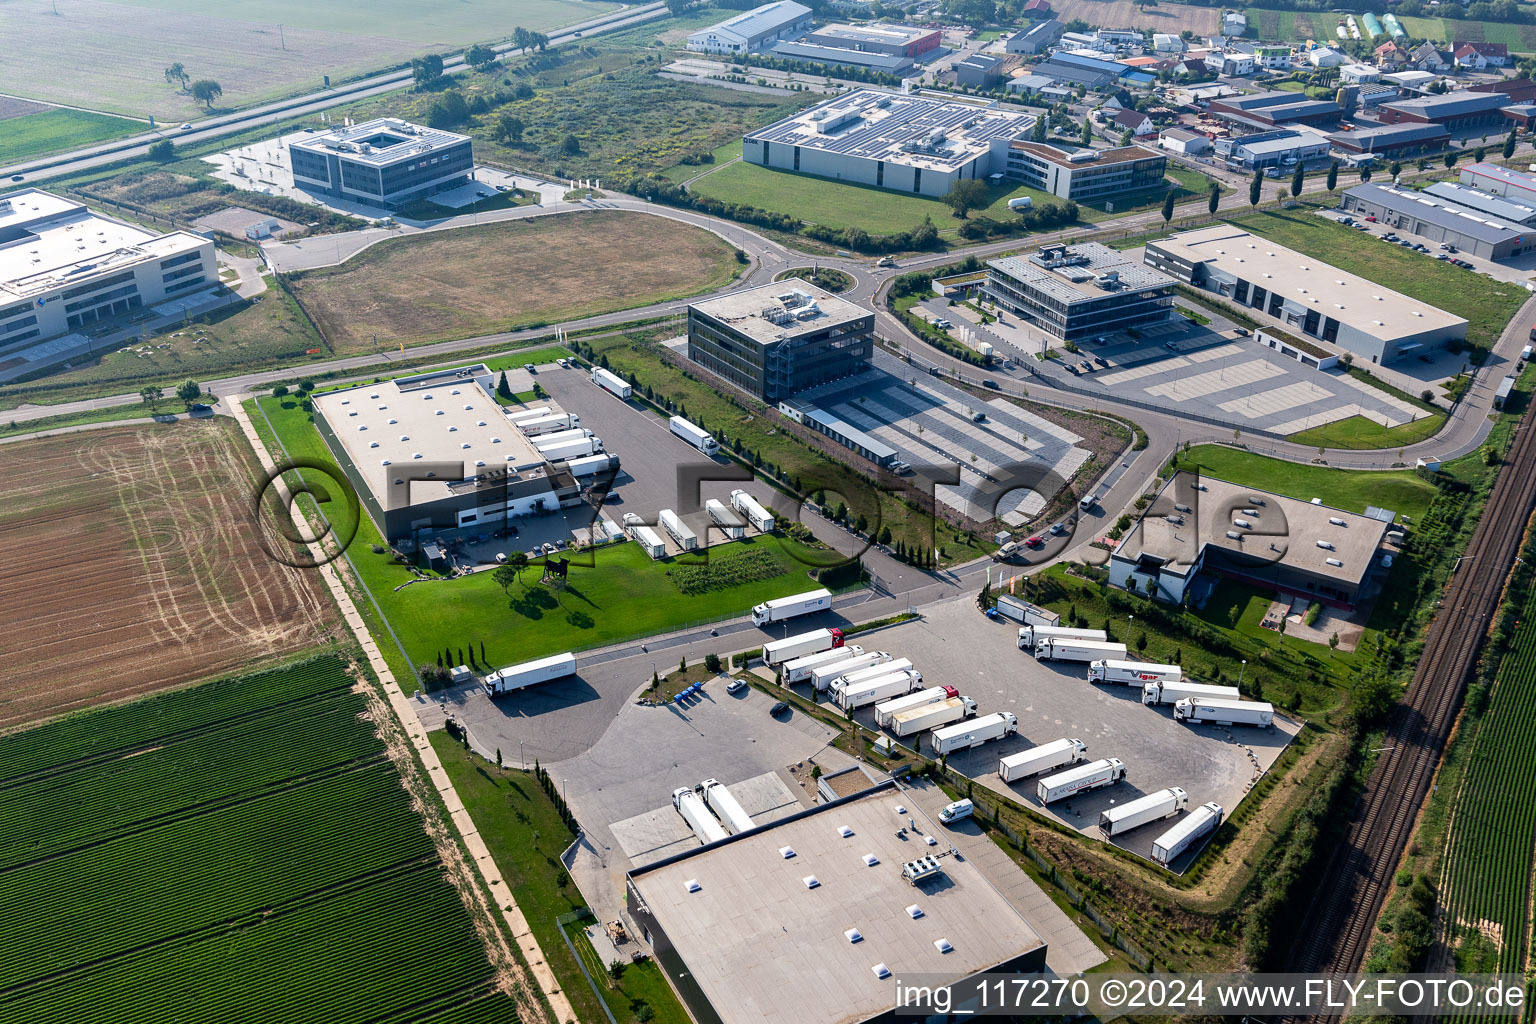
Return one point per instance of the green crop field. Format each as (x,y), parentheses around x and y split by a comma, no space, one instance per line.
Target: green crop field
(241,850)
(49,131)
(1520,38)
(1352,491)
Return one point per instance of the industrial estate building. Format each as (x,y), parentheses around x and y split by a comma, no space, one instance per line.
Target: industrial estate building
(811,917)
(64,268)
(1304,293)
(1035,38)
(1081,291)
(1083,174)
(1454,111)
(1509,209)
(907,143)
(1501,181)
(1266,109)
(754,30)
(384,162)
(1440,220)
(1284,147)
(1296,547)
(781,338)
(1397,139)
(892,40)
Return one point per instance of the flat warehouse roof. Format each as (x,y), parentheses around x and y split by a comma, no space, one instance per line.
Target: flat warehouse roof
(1450,104)
(889,35)
(782,310)
(764,946)
(380,142)
(1070,273)
(1061,155)
(1496,206)
(1362,304)
(1434,210)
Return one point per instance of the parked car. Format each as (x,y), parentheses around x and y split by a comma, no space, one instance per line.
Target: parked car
(1442,256)
(1086,365)
(1361,227)
(989,383)
(779,708)
(18,177)
(1241,332)
(1451,248)
(1371,219)
(529,368)
(501,558)
(1058,528)
(736,686)
(1101,360)
(1035,542)
(1444,247)
(186,127)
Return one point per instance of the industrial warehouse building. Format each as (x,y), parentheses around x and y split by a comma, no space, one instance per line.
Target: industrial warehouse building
(1083,174)
(1284,147)
(1200,523)
(755,30)
(64,268)
(384,162)
(1266,109)
(810,918)
(1455,111)
(1035,38)
(892,40)
(1440,220)
(1305,294)
(1501,181)
(842,57)
(435,452)
(1079,292)
(1512,210)
(907,143)
(781,338)
(1395,139)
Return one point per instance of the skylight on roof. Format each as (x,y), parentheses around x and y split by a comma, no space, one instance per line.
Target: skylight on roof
(692,885)
(786,852)
(811,881)
(852,935)
(914,911)
(871,860)
(943,946)
(881,971)
(844,831)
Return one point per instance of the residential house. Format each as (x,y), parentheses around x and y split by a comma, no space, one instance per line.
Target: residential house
(1275,58)
(1039,8)
(1235,65)
(1167,42)
(1467,57)
(1494,55)
(1234,23)
(1428,57)
(1191,66)
(1138,123)
(1390,55)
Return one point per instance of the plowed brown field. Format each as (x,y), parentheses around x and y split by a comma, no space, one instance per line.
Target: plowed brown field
(131,564)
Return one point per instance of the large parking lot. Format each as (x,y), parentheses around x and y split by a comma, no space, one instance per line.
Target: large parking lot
(955,645)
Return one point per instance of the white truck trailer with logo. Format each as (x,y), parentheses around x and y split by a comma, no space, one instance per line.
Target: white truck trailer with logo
(559,437)
(574,449)
(725,518)
(817,641)
(1142,811)
(932,716)
(1198,824)
(726,807)
(533,412)
(853,696)
(1081,779)
(760,518)
(887,710)
(1171,693)
(1132,672)
(863,675)
(704,825)
(1031,635)
(822,675)
(612,383)
(1059,649)
(549,423)
(799,670)
(1216,711)
(694,435)
(782,608)
(530,673)
(678,530)
(1044,758)
(591,465)
(966,735)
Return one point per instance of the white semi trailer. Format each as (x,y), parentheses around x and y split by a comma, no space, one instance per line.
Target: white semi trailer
(1044,758)
(859,676)
(783,608)
(644,536)
(817,641)
(678,530)
(530,673)
(1198,824)
(1011,607)
(558,437)
(726,807)
(1085,777)
(1031,635)
(1055,649)
(575,449)
(887,710)
(612,383)
(1216,711)
(694,435)
(591,465)
(760,518)
(533,412)
(549,423)
(800,669)
(822,675)
(1172,693)
(1132,672)
(704,825)
(727,520)
(932,716)
(966,735)
(873,691)
(1142,811)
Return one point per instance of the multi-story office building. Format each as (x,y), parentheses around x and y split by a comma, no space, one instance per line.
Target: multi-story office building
(1078,292)
(385,162)
(781,338)
(1084,174)
(1284,147)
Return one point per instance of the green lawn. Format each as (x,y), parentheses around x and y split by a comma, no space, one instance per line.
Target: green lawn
(426,209)
(1350,490)
(1362,432)
(821,201)
(49,131)
(722,153)
(464,22)
(642,985)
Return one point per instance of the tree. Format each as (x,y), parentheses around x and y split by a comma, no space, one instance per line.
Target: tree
(1509,146)
(177,73)
(1479,154)
(1214,199)
(677,7)
(427,71)
(1168,207)
(281,391)
(1255,187)
(1041,130)
(965,196)
(150,396)
(1450,158)
(205,91)
(448,110)
(509,128)
(503,389)
(1333,644)
(570,145)
(504,577)
(885,536)
(480,57)
(163,151)
(1395,169)
(517,561)
(682,663)
(1297,180)
(1365,174)
(1087,131)
(189,392)
(1333,176)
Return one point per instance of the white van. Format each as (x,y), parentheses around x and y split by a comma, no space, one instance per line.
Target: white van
(1088,502)
(957,811)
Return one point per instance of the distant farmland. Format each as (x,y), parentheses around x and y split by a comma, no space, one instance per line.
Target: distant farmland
(239,851)
(1172,18)
(56,128)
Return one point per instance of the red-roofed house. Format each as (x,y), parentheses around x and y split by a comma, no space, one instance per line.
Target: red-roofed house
(1390,55)
(1037,7)
(1494,54)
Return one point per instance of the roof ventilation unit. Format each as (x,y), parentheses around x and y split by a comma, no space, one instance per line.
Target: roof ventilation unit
(1336,563)
(943,946)
(1336,521)
(1326,545)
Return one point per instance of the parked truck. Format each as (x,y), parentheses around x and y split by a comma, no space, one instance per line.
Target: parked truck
(1061,649)
(694,435)
(783,608)
(965,735)
(873,691)
(1085,777)
(864,674)
(571,449)
(559,437)
(887,710)
(612,383)
(591,465)
(817,641)
(1132,672)
(1218,711)
(1142,811)
(1044,758)
(1173,692)
(1031,635)
(725,518)
(932,716)
(549,423)
(530,673)
(533,412)
(799,670)
(1198,824)
(704,825)
(674,525)
(760,518)
(726,807)
(822,675)
(644,536)
(1011,607)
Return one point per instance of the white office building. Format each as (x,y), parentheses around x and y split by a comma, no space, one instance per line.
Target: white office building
(385,162)
(756,29)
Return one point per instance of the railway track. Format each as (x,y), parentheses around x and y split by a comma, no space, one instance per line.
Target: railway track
(1343,912)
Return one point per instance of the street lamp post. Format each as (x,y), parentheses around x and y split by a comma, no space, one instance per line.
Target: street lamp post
(520,759)
(1240,674)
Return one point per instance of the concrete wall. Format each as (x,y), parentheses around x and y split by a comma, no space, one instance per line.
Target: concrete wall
(861,171)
